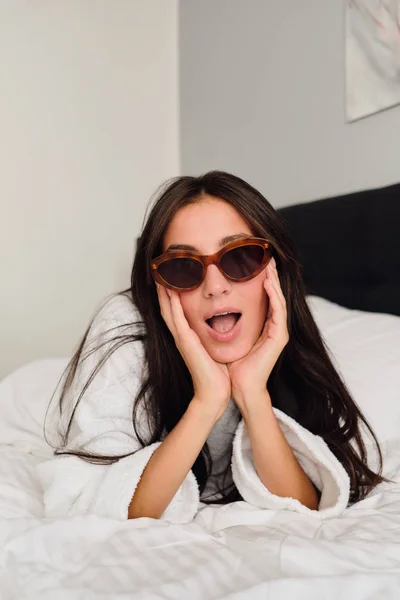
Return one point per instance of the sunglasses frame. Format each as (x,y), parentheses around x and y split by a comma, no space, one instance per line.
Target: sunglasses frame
(211,259)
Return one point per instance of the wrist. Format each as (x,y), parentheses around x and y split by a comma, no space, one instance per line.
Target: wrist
(204,412)
(255,405)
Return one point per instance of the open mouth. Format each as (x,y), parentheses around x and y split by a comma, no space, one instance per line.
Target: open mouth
(224,323)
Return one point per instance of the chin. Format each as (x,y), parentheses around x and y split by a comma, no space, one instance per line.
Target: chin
(228,353)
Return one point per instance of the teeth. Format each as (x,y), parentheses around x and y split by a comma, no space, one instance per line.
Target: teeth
(222,314)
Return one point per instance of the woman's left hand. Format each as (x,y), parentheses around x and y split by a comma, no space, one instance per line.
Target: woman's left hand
(250,374)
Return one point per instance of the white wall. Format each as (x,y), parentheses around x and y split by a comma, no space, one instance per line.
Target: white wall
(262,95)
(88,130)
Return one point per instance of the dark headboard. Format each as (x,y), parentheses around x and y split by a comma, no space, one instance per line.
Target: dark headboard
(350,248)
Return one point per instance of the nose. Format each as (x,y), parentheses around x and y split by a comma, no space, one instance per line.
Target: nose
(215,284)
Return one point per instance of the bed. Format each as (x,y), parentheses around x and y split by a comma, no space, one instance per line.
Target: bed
(350,249)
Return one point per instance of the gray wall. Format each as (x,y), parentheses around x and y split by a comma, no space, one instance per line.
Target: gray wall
(262,95)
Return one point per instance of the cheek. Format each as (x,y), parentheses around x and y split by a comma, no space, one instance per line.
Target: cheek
(257,297)
(189,306)
(257,303)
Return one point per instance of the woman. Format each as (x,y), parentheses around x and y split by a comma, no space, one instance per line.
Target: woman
(207,380)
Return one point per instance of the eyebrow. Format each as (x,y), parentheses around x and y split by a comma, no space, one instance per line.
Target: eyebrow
(222,242)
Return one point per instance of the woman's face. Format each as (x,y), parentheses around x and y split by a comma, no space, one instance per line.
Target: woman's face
(203,225)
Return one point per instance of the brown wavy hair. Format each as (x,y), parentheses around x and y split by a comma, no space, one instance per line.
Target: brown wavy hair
(303,383)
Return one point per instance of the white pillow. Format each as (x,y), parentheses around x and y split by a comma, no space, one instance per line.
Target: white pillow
(25,395)
(365,348)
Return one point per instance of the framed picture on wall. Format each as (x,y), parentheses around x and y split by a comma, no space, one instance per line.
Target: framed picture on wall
(372,56)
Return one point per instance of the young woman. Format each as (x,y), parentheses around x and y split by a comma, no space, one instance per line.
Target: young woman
(207,380)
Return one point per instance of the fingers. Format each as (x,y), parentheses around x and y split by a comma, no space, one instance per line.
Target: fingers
(165,308)
(273,278)
(276,309)
(277,302)
(178,316)
(274,272)
(172,311)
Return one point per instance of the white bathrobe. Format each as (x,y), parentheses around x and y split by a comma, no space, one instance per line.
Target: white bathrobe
(103,424)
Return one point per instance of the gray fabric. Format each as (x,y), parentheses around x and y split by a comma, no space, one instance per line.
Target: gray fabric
(220,443)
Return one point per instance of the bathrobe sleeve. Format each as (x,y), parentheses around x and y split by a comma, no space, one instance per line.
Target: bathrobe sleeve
(314,456)
(102,425)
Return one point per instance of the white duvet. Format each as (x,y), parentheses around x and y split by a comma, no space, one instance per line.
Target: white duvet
(235,551)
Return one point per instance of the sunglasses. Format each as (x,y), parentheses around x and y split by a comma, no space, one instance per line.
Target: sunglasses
(238,261)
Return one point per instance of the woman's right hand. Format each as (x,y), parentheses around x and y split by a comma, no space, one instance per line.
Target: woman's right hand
(211,380)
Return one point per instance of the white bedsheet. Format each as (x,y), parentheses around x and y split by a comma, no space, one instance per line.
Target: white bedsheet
(236,551)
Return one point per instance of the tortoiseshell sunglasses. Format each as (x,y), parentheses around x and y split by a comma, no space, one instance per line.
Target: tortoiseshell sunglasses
(238,261)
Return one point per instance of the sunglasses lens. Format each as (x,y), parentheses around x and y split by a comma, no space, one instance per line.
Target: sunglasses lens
(242,262)
(182,273)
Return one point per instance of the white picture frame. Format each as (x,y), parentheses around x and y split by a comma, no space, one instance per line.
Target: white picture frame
(372,56)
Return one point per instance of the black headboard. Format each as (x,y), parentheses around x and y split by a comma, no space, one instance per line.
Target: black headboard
(350,248)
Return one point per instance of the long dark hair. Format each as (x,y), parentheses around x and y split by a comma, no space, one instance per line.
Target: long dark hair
(303,383)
